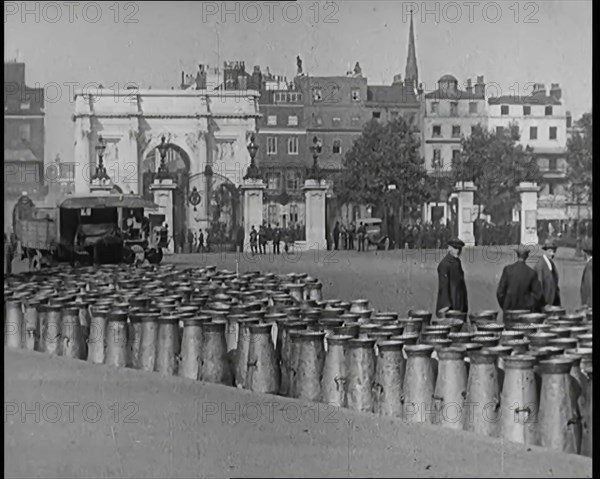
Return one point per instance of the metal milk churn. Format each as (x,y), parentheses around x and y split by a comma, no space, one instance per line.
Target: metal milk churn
(310,365)
(30,324)
(419,383)
(13,323)
(116,339)
(559,422)
(519,400)
(233,330)
(389,378)
(167,347)
(149,340)
(359,305)
(71,337)
(96,343)
(586,416)
(191,347)
(263,375)
(481,410)
(333,383)
(450,388)
(215,367)
(295,346)
(422,314)
(285,354)
(360,374)
(50,334)
(135,338)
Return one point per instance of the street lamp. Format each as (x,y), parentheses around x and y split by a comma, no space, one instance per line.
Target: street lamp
(252,173)
(314,172)
(163,171)
(100,173)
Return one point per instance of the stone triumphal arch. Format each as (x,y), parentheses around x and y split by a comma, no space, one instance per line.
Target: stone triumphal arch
(206,133)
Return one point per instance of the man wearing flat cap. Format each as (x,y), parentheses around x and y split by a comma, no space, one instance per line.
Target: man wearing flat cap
(519,287)
(586,280)
(548,274)
(452,289)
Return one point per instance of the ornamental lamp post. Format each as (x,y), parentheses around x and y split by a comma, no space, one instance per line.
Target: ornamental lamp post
(163,171)
(316,148)
(252,173)
(100,173)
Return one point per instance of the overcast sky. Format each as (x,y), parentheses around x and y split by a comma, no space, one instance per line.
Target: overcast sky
(512,44)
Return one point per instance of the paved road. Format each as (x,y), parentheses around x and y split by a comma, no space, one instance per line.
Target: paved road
(169,427)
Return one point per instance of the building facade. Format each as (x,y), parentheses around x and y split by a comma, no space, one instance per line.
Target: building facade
(23,140)
(542,122)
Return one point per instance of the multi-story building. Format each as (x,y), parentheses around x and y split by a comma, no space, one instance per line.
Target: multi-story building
(542,123)
(449,115)
(23,139)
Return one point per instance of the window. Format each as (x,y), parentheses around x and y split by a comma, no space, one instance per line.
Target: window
(67,171)
(355,121)
(271,145)
(454,108)
(533,132)
(548,111)
(455,156)
(317,94)
(437,158)
(293,213)
(293,180)
(499,130)
(273,220)
(376,114)
(337,146)
(552,164)
(456,131)
(272,120)
(293,145)
(435,107)
(355,94)
(553,133)
(273,181)
(25,132)
(337,121)
(292,120)
(504,110)
(526,110)
(473,107)
(25,105)
(437,131)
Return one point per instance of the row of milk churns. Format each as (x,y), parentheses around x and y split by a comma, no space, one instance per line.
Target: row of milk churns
(528,381)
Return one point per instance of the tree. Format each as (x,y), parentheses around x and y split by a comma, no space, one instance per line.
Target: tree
(385,154)
(579,161)
(496,164)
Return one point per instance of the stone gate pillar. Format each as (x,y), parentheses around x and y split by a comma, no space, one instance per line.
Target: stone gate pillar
(315,191)
(163,196)
(529,197)
(465,191)
(252,194)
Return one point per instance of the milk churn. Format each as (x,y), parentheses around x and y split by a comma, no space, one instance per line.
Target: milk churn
(240,366)
(263,375)
(13,323)
(233,330)
(425,316)
(579,384)
(116,339)
(309,368)
(284,354)
(51,329)
(167,344)
(487,341)
(501,352)
(333,382)
(575,331)
(30,324)
(366,328)
(359,305)
(328,325)
(480,318)
(559,421)
(96,341)
(215,367)
(460,338)
(511,316)
(539,340)
(419,384)
(392,329)
(389,378)
(360,374)
(315,291)
(364,316)
(555,310)
(519,401)
(586,405)
(149,340)
(296,291)
(490,329)
(349,328)
(560,332)
(71,334)
(345,305)
(584,339)
(450,388)
(585,354)
(295,345)
(134,338)
(481,410)
(565,343)
(518,346)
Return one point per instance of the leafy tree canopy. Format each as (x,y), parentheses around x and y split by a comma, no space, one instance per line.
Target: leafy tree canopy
(579,159)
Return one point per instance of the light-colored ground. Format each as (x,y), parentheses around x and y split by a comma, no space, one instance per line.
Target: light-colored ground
(191,429)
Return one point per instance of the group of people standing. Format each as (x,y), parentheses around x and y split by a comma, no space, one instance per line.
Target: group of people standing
(267,234)
(199,241)
(348,234)
(520,286)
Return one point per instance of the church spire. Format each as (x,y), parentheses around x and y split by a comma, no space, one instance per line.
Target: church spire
(412,72)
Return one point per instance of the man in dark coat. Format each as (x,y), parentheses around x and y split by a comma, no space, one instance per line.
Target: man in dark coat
(336,235)
(452,289)
(587,292)
(519,287)
(548,274)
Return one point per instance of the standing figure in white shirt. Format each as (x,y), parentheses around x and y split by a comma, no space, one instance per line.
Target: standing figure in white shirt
(548,274)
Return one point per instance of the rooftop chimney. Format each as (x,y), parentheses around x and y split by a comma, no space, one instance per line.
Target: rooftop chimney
(555,91)
(539,89)
(397,79)
(480,86)
(469,87)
